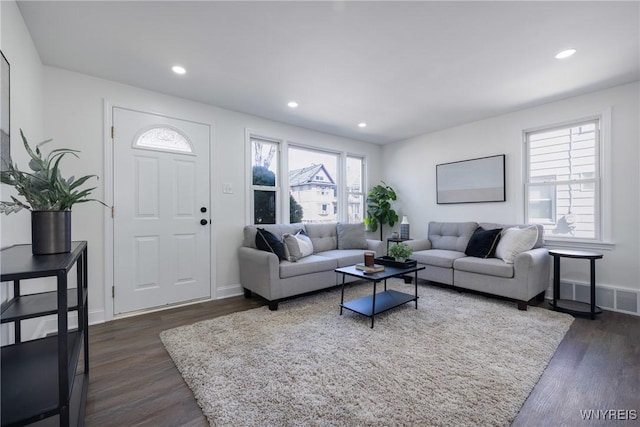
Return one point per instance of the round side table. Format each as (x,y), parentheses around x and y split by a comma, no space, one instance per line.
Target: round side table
(570,306)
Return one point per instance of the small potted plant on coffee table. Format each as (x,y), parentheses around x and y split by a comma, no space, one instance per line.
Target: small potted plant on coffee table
(400,252)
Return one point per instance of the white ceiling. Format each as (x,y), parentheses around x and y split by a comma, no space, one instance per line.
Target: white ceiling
(404,68)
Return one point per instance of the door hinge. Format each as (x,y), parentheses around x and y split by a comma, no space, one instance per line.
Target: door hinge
(113,212)
(113,292)
(112,131)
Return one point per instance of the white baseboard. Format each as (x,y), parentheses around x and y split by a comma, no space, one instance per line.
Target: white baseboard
(608,297)
(229,291)
(49,324)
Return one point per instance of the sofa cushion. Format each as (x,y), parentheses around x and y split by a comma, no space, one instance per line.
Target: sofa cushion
(453,236)
(351,236)
(345,257)
(298,245)
(323,236)
(437,257)
(514,241)
(489,266)
(269,242)
(277,229)
(307,265)
(539,242)
(483,243)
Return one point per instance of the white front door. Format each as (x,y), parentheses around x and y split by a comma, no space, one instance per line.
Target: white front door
(161,223)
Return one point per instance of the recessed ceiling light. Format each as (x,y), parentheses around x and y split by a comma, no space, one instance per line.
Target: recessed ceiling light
(292,104)
(362,125)
(178,69)
(565,53)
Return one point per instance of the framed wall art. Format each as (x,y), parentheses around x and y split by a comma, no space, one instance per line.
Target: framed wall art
(471,181)
(5,122)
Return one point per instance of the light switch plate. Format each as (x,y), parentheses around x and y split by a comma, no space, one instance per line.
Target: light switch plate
(227,188)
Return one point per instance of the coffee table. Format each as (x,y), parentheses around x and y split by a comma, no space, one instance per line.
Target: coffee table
(378,302)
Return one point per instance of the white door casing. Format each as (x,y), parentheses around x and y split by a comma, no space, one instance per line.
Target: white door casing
(161,237)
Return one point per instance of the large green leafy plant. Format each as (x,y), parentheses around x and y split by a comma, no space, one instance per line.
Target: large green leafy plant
(44,188)
(379,207)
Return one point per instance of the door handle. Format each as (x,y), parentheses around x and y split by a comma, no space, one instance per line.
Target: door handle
(203,222)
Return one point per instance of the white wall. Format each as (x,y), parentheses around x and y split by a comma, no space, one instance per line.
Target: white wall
(410,168)
(26,113)
(74,118)
(26,108)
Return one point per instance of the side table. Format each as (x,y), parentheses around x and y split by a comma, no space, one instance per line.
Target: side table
(570,306)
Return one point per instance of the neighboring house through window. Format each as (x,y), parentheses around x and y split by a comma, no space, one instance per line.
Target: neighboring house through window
(355,194)
(318,185)
(563,180)
(312,183)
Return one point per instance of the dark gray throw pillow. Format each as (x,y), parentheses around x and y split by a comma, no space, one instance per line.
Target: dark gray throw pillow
(483,243)
(269,242)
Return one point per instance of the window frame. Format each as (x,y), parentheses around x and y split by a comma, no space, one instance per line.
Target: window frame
(282,176)
(602,182)
(361,193)
(277,189)
(340,165)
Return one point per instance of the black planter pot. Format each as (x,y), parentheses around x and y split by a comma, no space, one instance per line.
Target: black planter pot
(50,232)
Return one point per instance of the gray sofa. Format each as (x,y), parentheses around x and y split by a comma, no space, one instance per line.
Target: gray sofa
(265,274)
(443,254)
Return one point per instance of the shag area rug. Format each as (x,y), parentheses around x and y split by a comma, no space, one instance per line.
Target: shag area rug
(459,359)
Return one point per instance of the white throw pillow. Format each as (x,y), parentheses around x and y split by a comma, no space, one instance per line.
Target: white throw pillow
(514,241)
(298,246)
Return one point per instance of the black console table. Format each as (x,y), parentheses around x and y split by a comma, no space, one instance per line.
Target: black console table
(46,377)
(569,306)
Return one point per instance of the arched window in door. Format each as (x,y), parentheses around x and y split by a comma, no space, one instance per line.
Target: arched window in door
(163,138)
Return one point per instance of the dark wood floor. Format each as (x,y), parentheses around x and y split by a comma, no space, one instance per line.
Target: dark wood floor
(134,382)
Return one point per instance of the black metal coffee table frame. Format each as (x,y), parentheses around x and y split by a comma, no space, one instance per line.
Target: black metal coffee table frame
(378,302)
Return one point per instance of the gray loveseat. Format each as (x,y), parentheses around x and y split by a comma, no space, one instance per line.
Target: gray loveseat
(443,254)
(334,245)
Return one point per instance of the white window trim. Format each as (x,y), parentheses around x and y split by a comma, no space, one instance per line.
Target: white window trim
(249,187)
(282,203)
(346,191)
(603,205)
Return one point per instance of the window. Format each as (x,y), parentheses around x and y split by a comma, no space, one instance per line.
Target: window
(289,183)
(355,195)
(265,181)
(163,138)
(563,180)
(312,185)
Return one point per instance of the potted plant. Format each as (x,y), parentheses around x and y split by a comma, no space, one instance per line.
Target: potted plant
(400,251)
(379,207)
(47,195)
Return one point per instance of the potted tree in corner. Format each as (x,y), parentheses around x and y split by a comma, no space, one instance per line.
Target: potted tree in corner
(379,207)
(47,195)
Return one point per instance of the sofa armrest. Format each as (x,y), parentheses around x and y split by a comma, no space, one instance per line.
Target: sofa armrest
(418,244)
(535,267)
(376,246)
(260,272)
